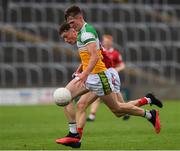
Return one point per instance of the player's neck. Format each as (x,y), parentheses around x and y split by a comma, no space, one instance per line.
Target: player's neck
(82,24)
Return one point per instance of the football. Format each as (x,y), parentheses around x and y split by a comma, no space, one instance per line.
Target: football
(62,96)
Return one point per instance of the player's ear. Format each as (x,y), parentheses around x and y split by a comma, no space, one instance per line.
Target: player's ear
(80,17)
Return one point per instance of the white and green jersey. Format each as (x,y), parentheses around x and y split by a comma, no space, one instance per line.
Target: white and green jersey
(86,35)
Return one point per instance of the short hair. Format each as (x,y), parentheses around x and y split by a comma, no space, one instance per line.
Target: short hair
(72,11)
(64,27)
(107,36)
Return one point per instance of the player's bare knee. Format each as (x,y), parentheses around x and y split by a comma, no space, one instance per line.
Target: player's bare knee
(81,106)
(117,112)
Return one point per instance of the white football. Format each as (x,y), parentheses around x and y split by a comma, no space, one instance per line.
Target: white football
(62,96)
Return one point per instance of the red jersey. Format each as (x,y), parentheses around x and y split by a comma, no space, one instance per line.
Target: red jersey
(107,61)
(115,57)
(111,58)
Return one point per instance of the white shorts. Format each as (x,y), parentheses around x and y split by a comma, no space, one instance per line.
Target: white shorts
(115,80)
(100,83)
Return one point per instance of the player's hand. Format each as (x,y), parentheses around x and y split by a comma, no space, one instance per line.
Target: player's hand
(81,79)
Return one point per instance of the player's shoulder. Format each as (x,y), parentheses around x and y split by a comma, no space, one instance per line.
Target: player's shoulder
(89,29)
(116,51)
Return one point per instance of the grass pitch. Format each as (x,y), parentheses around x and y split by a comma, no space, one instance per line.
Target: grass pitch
(37,127)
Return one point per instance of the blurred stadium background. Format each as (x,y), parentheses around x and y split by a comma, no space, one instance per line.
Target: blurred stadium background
(34,60)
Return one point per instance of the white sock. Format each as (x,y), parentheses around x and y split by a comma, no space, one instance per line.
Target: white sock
(73,127)
(147,115)
(92,116)
(149,100)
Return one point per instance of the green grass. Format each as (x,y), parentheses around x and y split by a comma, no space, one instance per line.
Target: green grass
(36,127)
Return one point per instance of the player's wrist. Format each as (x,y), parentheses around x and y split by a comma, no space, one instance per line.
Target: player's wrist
(86,73)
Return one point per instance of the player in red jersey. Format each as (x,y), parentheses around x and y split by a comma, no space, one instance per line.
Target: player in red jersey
(116,63)
(113,53)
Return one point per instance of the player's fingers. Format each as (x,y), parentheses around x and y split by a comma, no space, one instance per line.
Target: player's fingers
(77,81)
(80,83)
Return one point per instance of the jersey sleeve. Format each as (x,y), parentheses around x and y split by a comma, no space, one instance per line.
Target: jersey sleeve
(87,37)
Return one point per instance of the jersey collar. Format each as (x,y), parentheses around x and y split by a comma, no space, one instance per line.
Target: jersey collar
(83,26)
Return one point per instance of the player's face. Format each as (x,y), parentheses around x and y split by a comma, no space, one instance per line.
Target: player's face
(70,36)
(107,43)
(74,22)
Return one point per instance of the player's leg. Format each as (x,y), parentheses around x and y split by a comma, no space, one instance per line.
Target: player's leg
(120,108)
(104,88)
(105,93)
(93,109)
(93,83)
(95,104)
(119,98)
(69,111)
(82,105)
(76,89)
(148,99)
(73,139)
(117,84)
